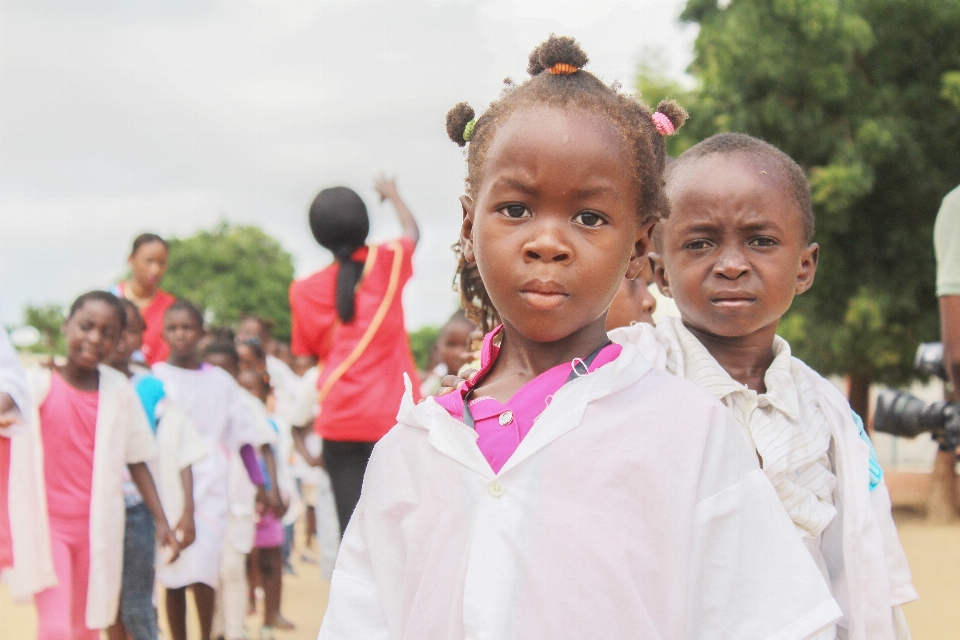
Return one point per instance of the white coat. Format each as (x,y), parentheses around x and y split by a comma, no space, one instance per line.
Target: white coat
(13,382)
(122,437)
(632,509)
(866,566)
(179,446)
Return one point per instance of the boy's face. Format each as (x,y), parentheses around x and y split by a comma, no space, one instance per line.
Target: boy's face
(732,254)
(451,345)
(182,332)
(131,339)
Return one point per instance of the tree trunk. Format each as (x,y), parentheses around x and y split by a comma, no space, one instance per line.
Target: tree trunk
(858,393)
(942,506)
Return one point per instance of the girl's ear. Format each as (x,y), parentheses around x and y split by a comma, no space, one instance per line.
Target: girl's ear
(641,249)
(659,274)
(466,229)
(808,268)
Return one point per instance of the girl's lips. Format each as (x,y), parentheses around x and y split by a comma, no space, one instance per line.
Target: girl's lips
(544,301)
(733,302)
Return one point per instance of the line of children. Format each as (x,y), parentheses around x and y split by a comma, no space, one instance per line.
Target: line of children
(65,494)
(571,490)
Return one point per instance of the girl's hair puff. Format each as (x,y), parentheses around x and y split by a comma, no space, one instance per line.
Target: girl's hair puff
(100,296)
(558,80)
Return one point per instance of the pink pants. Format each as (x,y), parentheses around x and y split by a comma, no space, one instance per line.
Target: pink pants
(61,610)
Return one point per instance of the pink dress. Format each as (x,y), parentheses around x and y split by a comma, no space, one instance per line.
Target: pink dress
(68,426)
(501,427)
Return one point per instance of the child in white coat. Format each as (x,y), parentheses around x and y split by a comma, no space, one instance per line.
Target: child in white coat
(88,424)
(572,491)
(735,250)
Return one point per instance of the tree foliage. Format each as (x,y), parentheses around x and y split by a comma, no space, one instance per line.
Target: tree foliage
(230,271)
(421,344)
(865,95)
(48,320)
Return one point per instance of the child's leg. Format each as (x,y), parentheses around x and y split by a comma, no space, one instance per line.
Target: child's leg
(271,577)
(203,597)
(253,579)
(177,613)
(53,603)
(311,525)
(232,595)
(136,593)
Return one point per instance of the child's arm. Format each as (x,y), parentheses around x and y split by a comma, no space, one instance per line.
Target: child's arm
(387,188)
(10,413)
(301,446)
(144,481)
(274,501)
(186,528)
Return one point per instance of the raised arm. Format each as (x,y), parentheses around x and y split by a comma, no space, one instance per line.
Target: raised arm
(387,188)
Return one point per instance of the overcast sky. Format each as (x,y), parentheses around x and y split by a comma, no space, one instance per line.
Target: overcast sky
(167,116)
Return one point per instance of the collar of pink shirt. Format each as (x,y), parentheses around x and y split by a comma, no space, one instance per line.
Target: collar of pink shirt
(501,427)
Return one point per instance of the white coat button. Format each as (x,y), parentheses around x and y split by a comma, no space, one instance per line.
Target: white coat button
(496,489)
(506,418)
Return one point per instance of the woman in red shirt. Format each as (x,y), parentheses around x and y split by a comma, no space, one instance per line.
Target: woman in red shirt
(148,263)
(349,317)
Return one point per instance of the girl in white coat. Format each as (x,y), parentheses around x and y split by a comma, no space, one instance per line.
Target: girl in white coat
(66,479)
(571,491)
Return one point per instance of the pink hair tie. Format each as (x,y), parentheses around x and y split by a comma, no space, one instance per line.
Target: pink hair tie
(663,124)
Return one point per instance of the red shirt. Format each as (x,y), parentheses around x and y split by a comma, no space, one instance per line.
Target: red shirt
(155,349)
(361,363)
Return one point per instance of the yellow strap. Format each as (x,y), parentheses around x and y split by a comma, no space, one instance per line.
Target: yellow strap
(374,324)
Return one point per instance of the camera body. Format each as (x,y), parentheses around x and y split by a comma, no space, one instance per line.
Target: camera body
(902,414)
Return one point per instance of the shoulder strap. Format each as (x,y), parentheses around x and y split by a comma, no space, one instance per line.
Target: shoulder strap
(371,331)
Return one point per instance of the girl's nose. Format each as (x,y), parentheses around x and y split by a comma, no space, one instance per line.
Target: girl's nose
(547,244)
(647,302)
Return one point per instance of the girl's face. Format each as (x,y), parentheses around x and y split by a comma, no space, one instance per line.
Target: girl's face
(131,339)
(149,263)
(182,332)
(91,333)
(249,360)
(554,227)
(732,254)
(633,302)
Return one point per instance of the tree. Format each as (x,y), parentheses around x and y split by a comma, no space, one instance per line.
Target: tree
(863,94)
(421,344)
(48,320)
(230,271)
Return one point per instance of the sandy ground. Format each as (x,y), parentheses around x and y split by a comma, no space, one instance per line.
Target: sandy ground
(934,554)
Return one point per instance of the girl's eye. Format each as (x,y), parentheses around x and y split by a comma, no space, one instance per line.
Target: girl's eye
(515,211)
(589,219)
(762,242)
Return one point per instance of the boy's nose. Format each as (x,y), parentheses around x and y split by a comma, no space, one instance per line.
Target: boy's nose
(731,264)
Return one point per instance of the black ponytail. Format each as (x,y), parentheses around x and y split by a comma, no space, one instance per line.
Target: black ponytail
(339,222)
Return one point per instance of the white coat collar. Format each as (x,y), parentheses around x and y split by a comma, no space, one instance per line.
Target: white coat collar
(457,441)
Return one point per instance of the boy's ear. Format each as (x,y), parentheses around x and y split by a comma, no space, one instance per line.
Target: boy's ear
(808,268)
(659,274)
(641,249)
(466,229)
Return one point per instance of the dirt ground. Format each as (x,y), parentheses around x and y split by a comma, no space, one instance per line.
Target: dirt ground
(934,554)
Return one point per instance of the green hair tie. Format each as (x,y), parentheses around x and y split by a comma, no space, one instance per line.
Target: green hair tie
(468,130)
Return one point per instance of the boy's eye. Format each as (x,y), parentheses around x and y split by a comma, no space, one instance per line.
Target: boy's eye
(589,219)
(515,211)
(697,244)
(762,242)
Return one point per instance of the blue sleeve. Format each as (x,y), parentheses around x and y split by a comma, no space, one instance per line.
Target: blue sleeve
(876,473)
(151,392)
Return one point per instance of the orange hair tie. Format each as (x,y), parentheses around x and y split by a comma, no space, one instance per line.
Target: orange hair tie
(563,69)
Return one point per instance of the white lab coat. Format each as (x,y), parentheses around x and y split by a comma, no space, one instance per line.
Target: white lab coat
(122,437)
(14,382)
(179,446)
(632,509)
(866,566)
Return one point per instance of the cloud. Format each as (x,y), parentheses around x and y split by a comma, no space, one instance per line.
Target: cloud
(121,117)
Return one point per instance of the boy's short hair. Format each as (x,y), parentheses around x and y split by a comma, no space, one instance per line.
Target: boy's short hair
(741,143)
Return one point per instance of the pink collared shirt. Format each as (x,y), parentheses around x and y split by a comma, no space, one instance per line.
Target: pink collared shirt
(501,427)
